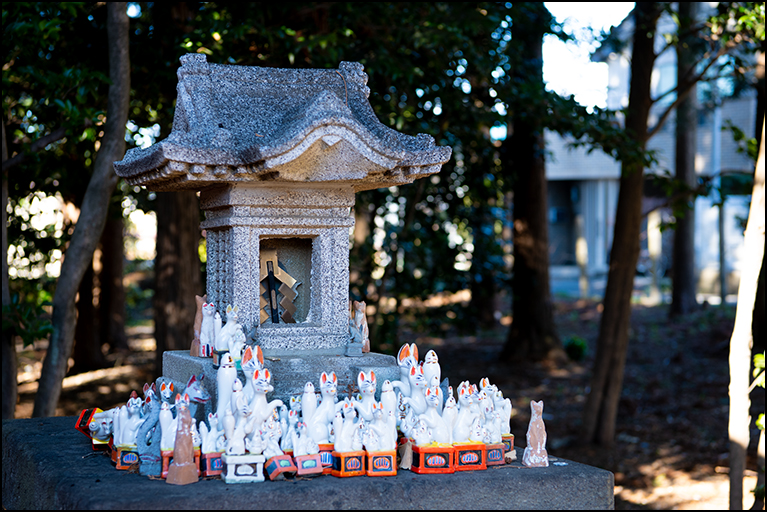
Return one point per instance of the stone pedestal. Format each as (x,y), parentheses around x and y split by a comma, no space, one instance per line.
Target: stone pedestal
(48,464)
(289,373)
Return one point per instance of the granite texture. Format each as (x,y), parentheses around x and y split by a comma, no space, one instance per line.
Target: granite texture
(237,124)
(48,464)
(243,218)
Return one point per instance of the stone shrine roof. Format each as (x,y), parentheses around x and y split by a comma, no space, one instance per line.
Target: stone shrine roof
(240,124)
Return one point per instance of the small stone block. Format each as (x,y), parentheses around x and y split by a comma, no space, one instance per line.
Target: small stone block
(243,468)
(382,463)
(212,464)
(470,456)
(495,454)
(348,464)
(508,440)
(127,455)
(309,465)
(326,456)
(433,459)
(278,466)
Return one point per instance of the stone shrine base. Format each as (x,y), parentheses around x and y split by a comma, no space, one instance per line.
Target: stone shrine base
(289,373)
(48,464)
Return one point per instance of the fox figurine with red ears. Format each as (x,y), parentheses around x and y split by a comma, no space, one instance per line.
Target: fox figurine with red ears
(367,384)
(407,358)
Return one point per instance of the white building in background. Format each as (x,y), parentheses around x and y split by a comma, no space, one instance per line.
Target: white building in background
(583,189)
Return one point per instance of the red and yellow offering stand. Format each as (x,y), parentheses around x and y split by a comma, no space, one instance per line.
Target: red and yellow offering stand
(431,459)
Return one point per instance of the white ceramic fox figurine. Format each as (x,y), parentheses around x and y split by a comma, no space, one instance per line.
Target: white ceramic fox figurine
(225,336)
(252,360)
(449,413)
(225,377)
(431,369)
(167,427)
(207,330)
(407,358)
(503,406)
(287,442)
(439,429)
(344,425)
(388,398)
(385,426)
(127,421)
(210,436)
(421,434)
(319,424)
(535,452)
(259,407)
(418,386)
(367,386)
(465,416)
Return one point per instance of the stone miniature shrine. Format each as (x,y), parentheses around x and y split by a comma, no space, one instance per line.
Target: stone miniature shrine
(277,155)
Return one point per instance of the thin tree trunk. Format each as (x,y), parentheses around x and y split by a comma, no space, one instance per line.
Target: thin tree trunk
(533,334)
(482,278)
(10,386)
(87,350)
(684,285)
(607,379)
(177,271)
(112,298)
(740,342)
(92,214)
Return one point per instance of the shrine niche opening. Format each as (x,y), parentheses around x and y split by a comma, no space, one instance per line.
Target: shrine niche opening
(285,280)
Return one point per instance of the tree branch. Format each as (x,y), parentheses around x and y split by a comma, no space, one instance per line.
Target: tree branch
(57,134)
(682,91)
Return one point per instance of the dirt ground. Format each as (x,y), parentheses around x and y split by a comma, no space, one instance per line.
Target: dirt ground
(671,450)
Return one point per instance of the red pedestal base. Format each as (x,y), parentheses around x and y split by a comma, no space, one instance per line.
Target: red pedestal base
(382,463)
(278,466)
(470,456)
(326,455)
(348,464)
(309,465)
(212,465)
(433,459)
(495,454)
(125,456)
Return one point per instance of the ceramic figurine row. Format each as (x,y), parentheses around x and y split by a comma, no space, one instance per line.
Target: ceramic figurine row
(421,426)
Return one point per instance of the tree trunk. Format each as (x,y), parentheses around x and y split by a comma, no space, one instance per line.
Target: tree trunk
(684,285)
(87,350)
(740,342)
(92,214)
(482,273)
(607,379)
(177,271)
(112,298)
(533,335)
(10,387)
